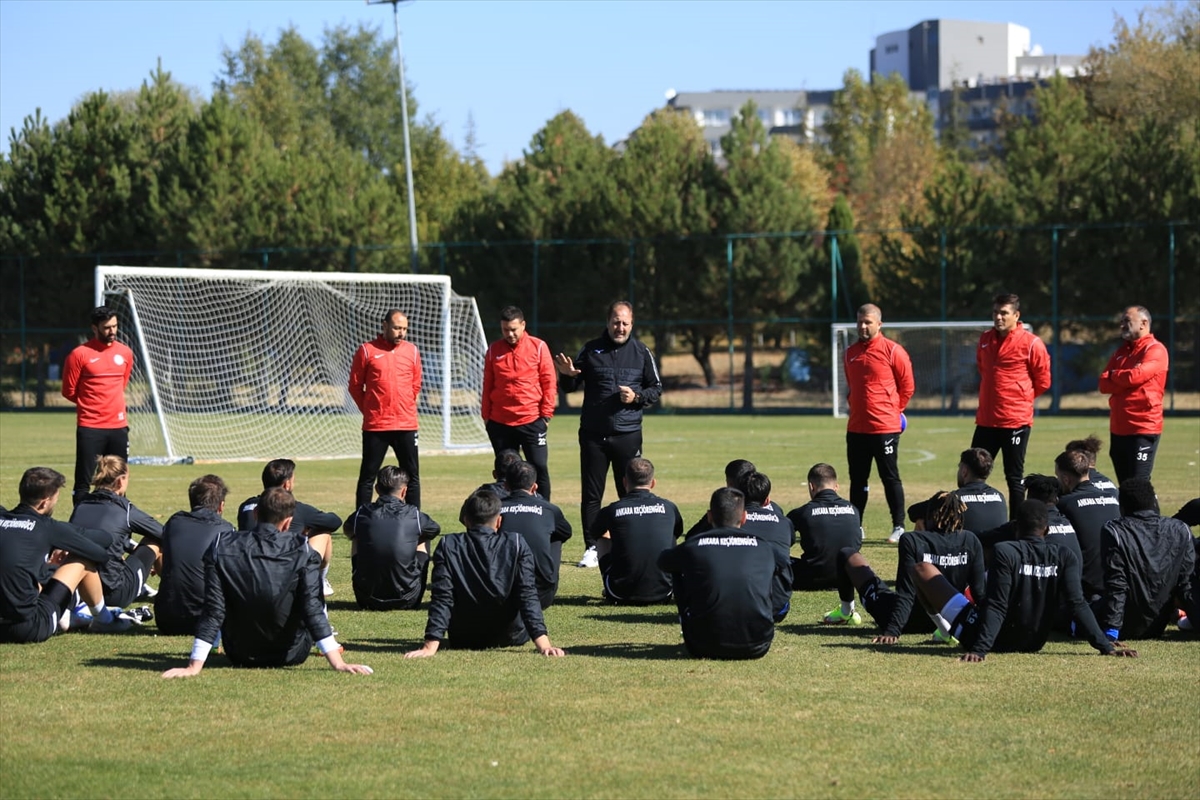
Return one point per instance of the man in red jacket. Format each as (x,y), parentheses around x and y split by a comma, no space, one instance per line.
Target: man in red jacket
(520,385)
(1014,369)
(1135,379)
(880,381)
(95,375)
(385,382)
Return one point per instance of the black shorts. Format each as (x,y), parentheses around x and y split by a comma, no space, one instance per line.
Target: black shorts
(134,572)
(965,626)
(52,602)
(880,602)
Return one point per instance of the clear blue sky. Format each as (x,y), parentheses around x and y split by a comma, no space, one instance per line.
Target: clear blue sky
(510,65)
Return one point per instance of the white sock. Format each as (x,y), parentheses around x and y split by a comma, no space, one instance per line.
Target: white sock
(847,608)
(324,573)
(102,613)
(941,623)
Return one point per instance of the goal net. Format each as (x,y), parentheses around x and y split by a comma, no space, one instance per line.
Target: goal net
(943,356)
(248,364)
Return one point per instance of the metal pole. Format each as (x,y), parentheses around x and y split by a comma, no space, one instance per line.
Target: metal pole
(408,179)
(729,266)
(1171,308)
(1054,359)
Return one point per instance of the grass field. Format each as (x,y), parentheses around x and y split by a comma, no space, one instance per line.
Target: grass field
(824,714)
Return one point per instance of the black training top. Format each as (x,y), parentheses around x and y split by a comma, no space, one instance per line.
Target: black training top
(1088,509)
(1102,482)
(107,511)
(986,507)
(772,509)
(305,519)
(261,588)
(1029,580)
(603,366)
(26,539)
(1059,525)
(730,587)
(541,523)
(641,526)
(958,555)
(1148,565)
(826,524)
(186,537)
(482,582)
(386,534)
(770,523)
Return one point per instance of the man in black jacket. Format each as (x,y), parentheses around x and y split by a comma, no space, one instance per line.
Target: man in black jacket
(540,522)
(1148,561)
(620,379)
(263,597)
(826,524)
(1029,580)
(735,472)
(483,592)
(390,551)
(1088,509)
(731,587)
(986,506)
(317,525)
(187,536)
(631,534)
(33,597)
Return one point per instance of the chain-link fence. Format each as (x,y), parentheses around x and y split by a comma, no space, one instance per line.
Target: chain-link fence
(738,322)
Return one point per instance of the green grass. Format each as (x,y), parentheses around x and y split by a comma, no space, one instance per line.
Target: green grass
(825,714)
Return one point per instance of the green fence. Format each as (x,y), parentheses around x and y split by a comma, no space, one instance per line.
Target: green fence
(739,321)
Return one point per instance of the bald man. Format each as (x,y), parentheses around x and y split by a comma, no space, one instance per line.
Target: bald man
(1135,380)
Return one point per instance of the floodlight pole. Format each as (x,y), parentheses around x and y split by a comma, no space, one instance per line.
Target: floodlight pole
(408,179)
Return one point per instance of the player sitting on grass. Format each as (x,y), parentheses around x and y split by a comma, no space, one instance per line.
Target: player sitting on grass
(986,506)
(826,524)
(1088,509)
(1047,489)
(1149,561)
(1030,578)
(263,597)
(390,551)
(503,460)
(318,526)
(731,587)
(764,518)
(941,540)
(631,534)
(108,509)
(541,523)
(187,536)
(33,596)
(734,472)
(1091,447)
(483,592)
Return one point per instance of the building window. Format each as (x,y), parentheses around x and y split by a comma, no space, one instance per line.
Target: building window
(716,117)
(892,49)
(791,116)
(766,117)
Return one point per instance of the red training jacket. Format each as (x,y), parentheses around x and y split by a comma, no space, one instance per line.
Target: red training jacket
(385,382)
(1012,372)
(520,384)
(95,375)
(880,382)
(1136,377)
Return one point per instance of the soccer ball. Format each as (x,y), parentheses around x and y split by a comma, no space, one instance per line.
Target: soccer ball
(903,422)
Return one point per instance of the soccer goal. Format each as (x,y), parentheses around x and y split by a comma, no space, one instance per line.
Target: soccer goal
(249,364)
(943,357)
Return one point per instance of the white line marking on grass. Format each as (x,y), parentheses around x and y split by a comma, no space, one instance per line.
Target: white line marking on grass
(925,455)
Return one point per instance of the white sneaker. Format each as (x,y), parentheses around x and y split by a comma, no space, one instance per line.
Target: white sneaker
(897,532)
(327,588)
(590,560)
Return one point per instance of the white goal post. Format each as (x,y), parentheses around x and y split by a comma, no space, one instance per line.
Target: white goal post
(255,364)
(943,355)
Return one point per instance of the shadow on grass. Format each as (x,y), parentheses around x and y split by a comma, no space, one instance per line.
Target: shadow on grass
(382,645)
(635,650)
(149,662)
(578,600)
(668,615)
(925,648)
(817,629)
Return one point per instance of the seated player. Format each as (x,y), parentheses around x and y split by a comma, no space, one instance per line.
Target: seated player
(986,507)
(483,592)
(318,526)
(764,518)
(1029,580)
(826,524)
(1149,561)
(1047,489)
(1190,515)
(731,587)
(541,523)
(33,597)
(108,509)
(1088,509)
(734,472)
(1090,447)
(943,542)
(503,460)
(263,597)
(631,534)
(390,550)
(187,536)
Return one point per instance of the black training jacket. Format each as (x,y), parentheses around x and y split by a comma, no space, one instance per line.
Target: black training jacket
(641,526)
(1148,565)
(106,511)
(958,555)
(306,519)
(186,537)
(387,573)
(604,366)
(986,506)
(542,524)
(1088,509)
(825,525)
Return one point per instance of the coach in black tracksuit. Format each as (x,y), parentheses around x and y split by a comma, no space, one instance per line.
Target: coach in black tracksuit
(631,534)
(620,379)
(826,524)
(390,554)
(731,587)
(186,537)
(540,522)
